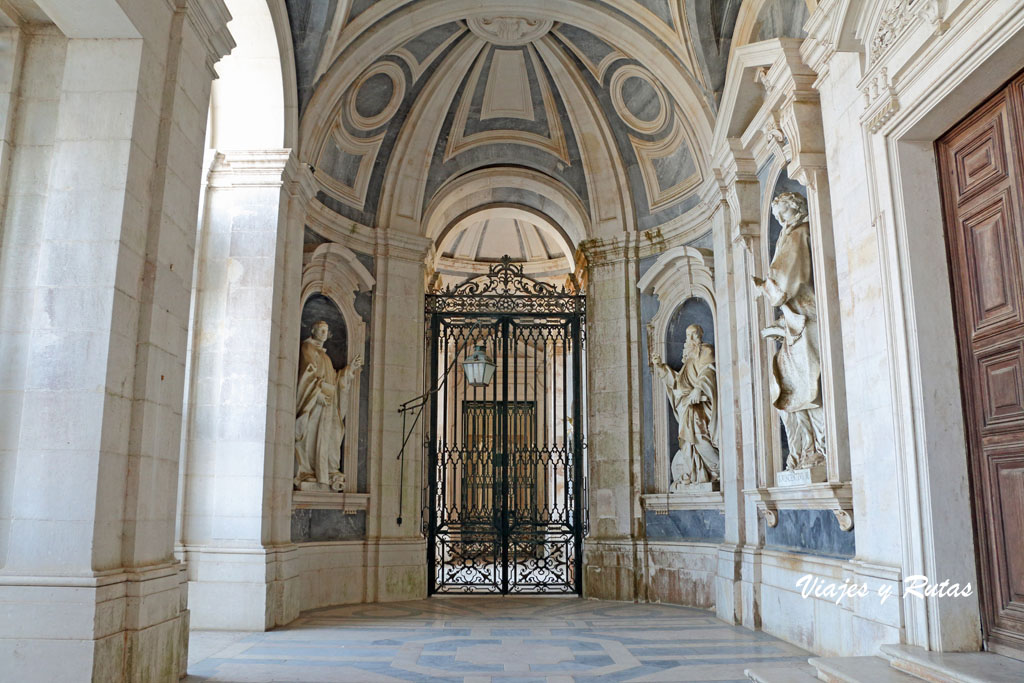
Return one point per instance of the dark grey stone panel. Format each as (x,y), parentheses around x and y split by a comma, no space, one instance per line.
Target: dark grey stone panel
(712,23)
(685,525)
(660,8)
(648,309)
(781,19)
(309,21)
(310,526)
(815,532)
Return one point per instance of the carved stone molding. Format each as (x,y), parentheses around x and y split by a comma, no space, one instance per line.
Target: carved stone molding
(349,503)
(898,16)
(881,102)
(838,498)
(663,503)
(509,30)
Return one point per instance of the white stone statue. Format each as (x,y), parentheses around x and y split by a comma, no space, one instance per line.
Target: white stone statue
(796,368)
(693,394)
(321,403)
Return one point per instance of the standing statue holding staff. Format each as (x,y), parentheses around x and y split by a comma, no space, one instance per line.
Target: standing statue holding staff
(321,403)
(693,394)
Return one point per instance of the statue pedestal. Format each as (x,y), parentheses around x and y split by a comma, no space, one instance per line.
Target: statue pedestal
(313,486)
(695,489)
(801,477)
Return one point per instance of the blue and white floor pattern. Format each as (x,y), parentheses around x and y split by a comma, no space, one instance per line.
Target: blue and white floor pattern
(488,638)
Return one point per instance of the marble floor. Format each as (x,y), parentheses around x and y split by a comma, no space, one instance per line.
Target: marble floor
(483,639)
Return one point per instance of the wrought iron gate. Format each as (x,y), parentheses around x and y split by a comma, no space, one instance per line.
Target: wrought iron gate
(505,465)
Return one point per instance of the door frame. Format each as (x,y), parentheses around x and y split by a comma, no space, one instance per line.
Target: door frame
(906,211)
(496,303)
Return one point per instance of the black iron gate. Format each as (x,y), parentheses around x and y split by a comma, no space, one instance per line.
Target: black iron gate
(505,465)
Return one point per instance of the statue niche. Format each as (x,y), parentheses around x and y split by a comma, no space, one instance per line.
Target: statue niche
(693,395)
(322,399)
(795,376)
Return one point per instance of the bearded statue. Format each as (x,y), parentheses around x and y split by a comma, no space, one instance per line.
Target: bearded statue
(795,377)
(321,403)
(693,394)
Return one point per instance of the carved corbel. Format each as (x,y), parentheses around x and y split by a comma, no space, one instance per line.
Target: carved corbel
(771,517)
(801,123)
(931,12)
(776,139)
(845,518)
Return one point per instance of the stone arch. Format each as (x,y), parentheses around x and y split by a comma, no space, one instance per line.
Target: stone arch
(253,103)
(528,190)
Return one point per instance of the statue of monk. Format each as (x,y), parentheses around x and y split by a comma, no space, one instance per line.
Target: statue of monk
(693,394)
(321,403)
(794,380)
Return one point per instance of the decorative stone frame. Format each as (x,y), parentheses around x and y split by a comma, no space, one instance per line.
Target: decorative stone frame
(782,120)
(927,66)
(336,273)
(679,274)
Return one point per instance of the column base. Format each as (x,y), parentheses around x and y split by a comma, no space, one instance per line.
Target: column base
(242,589)
(610,570)
(117,626)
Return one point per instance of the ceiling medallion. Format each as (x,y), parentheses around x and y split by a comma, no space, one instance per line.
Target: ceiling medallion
(509,30)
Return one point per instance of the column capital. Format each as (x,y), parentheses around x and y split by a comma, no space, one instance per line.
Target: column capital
(209,19)
(249,168)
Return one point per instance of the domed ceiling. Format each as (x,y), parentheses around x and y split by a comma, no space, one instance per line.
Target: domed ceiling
(481,92)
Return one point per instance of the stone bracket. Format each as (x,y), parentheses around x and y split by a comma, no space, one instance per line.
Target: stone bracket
(836,497)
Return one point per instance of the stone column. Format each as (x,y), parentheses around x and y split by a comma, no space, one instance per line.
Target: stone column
(728,602)
(611,557)
(396,554)
(235,533)
(105,164)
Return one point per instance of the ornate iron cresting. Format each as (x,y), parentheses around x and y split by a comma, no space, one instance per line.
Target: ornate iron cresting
(505,289)
(505,462)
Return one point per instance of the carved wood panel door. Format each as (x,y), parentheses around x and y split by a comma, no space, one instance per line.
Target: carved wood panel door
(981,163)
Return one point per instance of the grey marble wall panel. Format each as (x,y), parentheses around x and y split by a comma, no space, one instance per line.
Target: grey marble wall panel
(310,526)
(648,309)
(815,532)
(685,525)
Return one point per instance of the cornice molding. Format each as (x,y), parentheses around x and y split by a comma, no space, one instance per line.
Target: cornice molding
(209,19)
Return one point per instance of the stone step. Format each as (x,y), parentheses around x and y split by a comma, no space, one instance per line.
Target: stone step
(954,667)
(858,670)
(777,673)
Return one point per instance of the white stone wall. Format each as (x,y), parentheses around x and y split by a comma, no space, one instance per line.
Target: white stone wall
(105,141)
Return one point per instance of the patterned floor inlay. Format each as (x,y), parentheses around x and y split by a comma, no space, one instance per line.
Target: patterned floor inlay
(483,639)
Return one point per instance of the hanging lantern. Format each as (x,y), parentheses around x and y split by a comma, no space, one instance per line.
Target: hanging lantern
(479,367)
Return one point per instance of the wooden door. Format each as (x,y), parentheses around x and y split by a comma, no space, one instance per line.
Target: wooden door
(981,163)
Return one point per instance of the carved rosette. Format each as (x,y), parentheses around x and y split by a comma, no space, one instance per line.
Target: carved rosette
(509,30)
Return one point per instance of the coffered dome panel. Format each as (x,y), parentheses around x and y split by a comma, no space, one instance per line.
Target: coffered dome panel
(540,93)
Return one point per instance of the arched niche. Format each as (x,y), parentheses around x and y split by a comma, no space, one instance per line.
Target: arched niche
(334,275)
(682,279)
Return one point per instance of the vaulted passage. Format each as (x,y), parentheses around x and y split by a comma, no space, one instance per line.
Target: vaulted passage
(691,332)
